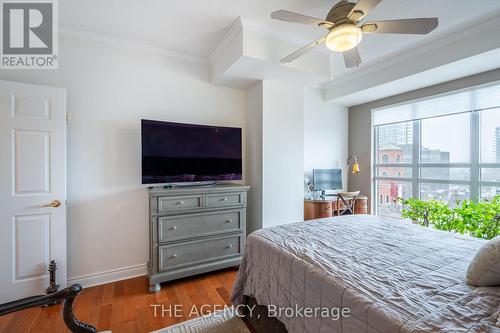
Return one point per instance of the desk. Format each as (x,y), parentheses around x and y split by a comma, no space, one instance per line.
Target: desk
(318,208)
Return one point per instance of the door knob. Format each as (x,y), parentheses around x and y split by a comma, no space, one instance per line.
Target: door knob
(52,204)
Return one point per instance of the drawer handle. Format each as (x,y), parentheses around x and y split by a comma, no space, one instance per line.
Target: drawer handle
(180,203)
(229,221)
(173,228)
(173,256)
(223,199)
(228,246)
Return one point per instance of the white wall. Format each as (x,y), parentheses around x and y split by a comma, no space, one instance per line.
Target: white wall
(275,153)
(110,88)
(283,153)
(325,135)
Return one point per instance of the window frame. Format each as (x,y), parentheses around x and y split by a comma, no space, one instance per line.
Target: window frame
(475,166)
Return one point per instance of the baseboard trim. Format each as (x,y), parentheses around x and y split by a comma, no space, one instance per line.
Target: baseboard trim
(95,279)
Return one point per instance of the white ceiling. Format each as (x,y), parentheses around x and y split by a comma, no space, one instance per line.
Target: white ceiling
(197,26)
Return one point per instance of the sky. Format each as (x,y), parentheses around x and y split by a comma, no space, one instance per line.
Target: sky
(452,133)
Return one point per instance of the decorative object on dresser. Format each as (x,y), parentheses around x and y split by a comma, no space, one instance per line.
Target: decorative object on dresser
(194,230)
(324,207)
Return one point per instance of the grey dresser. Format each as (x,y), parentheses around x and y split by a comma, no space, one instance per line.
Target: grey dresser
(194,230)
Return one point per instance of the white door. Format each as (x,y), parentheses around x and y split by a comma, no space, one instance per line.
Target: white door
(32,175)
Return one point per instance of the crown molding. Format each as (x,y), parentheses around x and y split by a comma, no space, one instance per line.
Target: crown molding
(177,55)
(288,38)
(234,30)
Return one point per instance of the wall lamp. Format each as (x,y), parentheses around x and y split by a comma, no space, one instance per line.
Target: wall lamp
(354,161)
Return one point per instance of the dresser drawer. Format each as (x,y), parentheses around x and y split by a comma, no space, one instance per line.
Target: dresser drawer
(196,252)
(179,227)
(180,203)
(224,199)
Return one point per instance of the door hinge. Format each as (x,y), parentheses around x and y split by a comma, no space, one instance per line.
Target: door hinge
(68,117)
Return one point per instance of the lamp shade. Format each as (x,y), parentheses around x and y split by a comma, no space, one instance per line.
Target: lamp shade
(353,160)
(344,38)
(355,167)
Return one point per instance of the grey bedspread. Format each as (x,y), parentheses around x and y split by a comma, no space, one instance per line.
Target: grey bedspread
(393,276)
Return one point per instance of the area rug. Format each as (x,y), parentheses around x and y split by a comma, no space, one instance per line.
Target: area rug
(224,321)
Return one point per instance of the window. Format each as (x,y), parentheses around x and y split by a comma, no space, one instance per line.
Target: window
(449,193)
(488,192)
(444,148)
(395,171)
(395,143)
(389,192)
(394,174)
(446,139)
(489,163)
(490,136)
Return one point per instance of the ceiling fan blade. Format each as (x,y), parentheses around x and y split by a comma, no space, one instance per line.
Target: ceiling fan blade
(287,16)
(302,51)
(362,8)
(418,26)
(352,58)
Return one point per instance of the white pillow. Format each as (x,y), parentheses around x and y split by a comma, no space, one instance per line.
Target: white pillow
(484,269)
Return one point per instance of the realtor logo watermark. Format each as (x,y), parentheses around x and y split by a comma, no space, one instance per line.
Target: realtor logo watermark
(29,34)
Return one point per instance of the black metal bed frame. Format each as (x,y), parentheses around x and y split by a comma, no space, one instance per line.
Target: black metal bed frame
(67,295)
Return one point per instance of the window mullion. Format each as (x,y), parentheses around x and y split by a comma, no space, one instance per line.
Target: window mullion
(375,201)
(474,155)
(416,158)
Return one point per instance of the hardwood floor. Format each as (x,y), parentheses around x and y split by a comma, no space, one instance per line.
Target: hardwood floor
(125,306)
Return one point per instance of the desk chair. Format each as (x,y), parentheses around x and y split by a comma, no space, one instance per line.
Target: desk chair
(345,203)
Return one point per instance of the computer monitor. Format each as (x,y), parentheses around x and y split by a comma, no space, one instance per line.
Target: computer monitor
(327,179)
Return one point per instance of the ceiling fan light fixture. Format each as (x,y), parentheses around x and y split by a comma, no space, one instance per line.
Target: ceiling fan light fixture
(344,38)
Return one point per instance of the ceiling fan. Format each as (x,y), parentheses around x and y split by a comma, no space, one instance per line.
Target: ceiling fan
(346,28)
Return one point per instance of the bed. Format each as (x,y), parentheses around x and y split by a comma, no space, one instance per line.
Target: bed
(393,276)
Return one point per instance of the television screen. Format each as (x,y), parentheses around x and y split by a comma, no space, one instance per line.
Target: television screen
(327,179)
(176,153)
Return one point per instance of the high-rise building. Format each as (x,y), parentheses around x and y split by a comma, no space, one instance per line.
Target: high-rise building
(496,145)
(396,134)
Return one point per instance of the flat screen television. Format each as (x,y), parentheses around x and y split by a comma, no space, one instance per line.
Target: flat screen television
(327,179)
(180,153)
